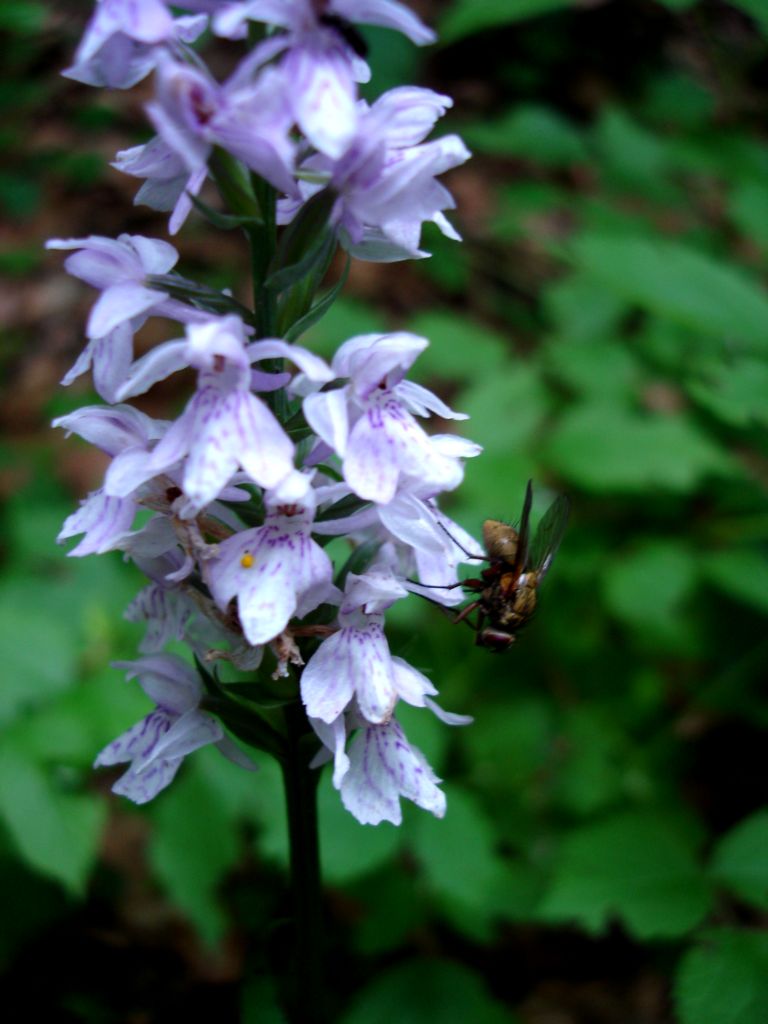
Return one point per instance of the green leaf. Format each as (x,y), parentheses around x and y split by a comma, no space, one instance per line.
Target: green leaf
(735,393)
(234,183)
(392,58)
(444,846)
(200,295)
(679,5)
(582,310)
(635,157)
(646,587)
(741,573)
(532,132)
(425,732)
(467,17)
(506,409)
(509,743)
(437,991)
(678,99)
(450,265)
(522,210)
(259,1003)
(725,979)
(23,18)
(740,859)
(393,908)
(755,8)
(681,283)
(491,487)
(56,833)
(33,671)
(603,216)
(224,221)
(349,849)
(19,194)
(20,262)
(748,208)
(633,867)
(304,243)
(72,728)
(597,369)
(606,449)
(319,309)
(31,906)
(318,253)
(594,769)
(193,846)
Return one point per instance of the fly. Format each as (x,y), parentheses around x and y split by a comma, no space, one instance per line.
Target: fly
(507,590)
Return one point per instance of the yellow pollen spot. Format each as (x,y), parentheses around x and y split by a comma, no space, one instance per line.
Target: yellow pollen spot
(247,560)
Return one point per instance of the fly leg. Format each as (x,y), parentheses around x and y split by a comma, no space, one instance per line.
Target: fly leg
(470,584)
(476,558)
(479,627)
(467,611)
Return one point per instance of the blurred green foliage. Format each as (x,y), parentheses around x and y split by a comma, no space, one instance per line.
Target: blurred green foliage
(606,326)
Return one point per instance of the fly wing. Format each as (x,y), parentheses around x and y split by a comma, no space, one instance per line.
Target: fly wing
(548,536)
(524,533)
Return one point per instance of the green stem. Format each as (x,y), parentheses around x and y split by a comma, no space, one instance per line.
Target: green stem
(263,244)
(306,996)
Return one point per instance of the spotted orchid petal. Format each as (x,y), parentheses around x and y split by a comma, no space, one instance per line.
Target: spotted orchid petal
(105,521)
(274,571)
(192,730)
(170,681)
(112,429)
(354,660)
(334,739)
(326,412)
(383,766)
(137,741)
(324,99)
(388,14)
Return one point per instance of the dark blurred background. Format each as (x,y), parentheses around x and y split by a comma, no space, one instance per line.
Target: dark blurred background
(604,859)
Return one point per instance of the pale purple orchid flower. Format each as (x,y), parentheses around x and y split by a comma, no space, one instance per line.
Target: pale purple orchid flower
(122,40)
(106,515)
(166,610)
(119,269)
(275,571)
(385,180)
(157,745)
(104,521)
(109,358)
(103,518)
(168,183)
(163,605)
(224,425)
(320,65)
(171,609)
(249,117)
(370,423)
(381,765)
(356,662)
(380,768)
